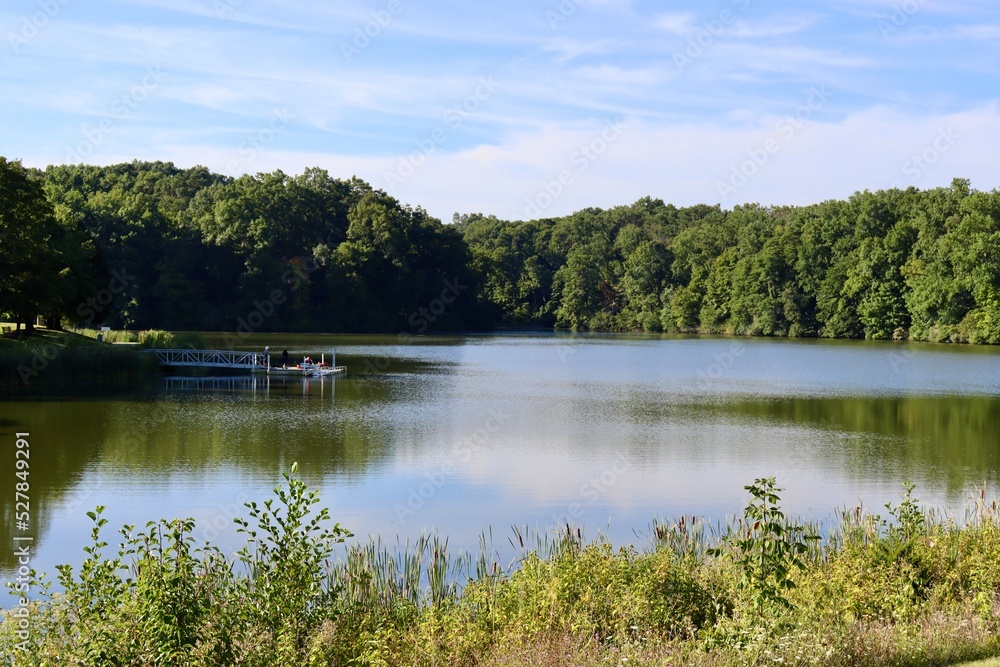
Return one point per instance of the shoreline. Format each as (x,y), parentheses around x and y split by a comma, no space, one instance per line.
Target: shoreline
(903,588)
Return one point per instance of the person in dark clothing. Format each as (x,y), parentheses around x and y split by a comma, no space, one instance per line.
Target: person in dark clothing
(284,359)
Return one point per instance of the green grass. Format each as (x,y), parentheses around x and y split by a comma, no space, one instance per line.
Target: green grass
(149,339)
(51,358)
(905,589)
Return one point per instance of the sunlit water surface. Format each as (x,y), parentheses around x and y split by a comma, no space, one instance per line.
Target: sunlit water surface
(460,434)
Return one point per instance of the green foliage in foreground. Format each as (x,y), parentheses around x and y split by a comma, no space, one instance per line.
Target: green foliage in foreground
(905,589)
(766,547)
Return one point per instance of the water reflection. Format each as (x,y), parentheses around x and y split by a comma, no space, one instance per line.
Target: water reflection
(947,440)
(834,421)
(63,439)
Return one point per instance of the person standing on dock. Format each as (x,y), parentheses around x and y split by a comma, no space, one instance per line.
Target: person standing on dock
(284,359)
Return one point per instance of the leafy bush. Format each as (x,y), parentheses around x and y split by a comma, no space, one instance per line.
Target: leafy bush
(153,338)
(156,339)
(188,340)
(765,547)
(907,589)
(112,336)
(161,601)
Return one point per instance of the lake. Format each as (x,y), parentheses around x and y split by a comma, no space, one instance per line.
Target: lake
(464,433)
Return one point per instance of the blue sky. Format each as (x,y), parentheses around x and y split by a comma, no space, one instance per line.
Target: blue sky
(519,109)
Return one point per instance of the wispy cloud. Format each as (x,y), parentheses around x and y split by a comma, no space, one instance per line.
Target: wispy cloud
(770,28)
(678,23)
(983,32)
(566,50)
(608,59)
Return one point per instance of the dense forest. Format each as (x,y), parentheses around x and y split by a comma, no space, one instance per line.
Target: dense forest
(149,245)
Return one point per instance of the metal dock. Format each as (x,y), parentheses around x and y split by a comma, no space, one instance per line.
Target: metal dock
(210,359)
(254,362)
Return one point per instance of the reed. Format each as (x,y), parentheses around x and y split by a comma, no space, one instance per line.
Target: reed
(152,338)
(687,537)
(913,587)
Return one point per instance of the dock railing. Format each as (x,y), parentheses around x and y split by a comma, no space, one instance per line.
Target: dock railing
(210,358)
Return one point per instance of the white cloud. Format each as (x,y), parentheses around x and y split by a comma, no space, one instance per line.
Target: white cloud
(678,23)
(617,76)
(977,32)
(753,30)
(556,89)
(683,164)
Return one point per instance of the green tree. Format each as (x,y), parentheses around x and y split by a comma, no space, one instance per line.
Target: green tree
(645,274)
(976,258)
(30,246)
(583,286)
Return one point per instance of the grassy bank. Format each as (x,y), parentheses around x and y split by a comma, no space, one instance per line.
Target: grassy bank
(903,589)
(153,338)
(52,358)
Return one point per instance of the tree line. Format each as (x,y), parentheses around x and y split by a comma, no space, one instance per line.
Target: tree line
(904,264)
(150,245)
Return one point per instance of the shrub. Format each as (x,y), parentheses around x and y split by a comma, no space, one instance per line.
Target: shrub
(765,547)
(156,339)
(161,601)
(904,590)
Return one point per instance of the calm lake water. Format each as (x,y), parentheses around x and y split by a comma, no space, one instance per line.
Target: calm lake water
(465,433)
